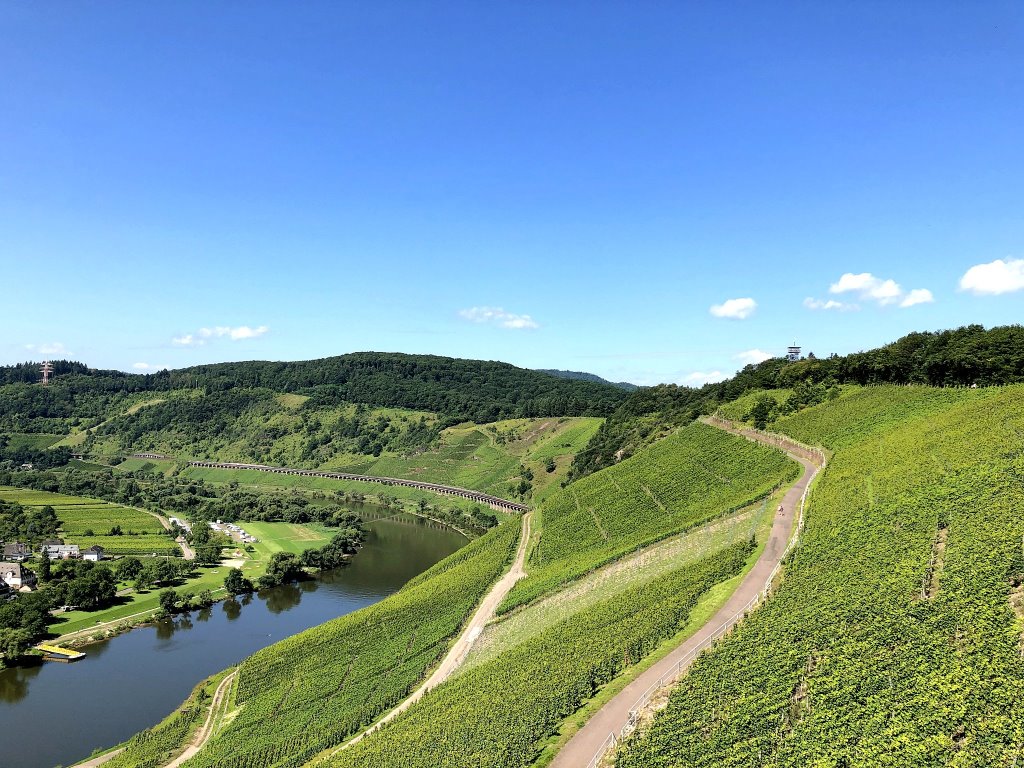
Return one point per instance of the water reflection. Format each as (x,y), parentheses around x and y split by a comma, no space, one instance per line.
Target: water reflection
(232,608)
(282,598)
(14,682)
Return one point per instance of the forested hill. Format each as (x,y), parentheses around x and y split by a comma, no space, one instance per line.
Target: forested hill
(476,390)
(963,357)
(583,376)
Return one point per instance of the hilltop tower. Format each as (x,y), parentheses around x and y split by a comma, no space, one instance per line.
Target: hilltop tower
(793,353)
(47,369)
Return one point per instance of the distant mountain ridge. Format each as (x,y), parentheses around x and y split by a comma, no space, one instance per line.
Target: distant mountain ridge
(455,389)
(583,376)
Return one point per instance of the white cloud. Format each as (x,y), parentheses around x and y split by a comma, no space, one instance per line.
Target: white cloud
(700,378)
(994,278)
(150,367)
(753,356)
(235,333)
(871,288)
(498,316)
(828,304)
(53,348)
(736,309)
(240,332)
(917,296)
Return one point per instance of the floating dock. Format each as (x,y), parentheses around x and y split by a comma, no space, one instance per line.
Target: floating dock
(56,653)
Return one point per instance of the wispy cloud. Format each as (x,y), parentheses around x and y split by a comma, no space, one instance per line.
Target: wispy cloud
(752,356)
(498,316)
(235,333)
(147,367)
(829,304)
(869,288)
(734,309)
(53,348)
(994,278)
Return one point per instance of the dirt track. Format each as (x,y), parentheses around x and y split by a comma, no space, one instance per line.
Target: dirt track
(581,749)
(462,646)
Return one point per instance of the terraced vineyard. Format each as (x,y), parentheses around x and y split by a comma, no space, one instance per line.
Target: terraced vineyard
(315,689)
(86,522)
(897,635)
(680,482)
(494,714)
(488,457)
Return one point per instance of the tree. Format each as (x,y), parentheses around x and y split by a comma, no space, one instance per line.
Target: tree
(44,568)
(236,584)
(762,411)
(14,642)
(168,600)
(128,568)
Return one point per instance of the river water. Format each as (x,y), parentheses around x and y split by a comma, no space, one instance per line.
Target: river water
(56,714)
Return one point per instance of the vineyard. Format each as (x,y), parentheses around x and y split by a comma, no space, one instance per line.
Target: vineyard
(892,640)
(488,457)
(88,522)
(688,478)
(496,713)
(315,689)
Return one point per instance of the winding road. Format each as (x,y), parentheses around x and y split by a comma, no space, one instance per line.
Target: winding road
(603,729)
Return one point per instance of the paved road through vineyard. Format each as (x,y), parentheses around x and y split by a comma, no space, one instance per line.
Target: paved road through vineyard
(580,750)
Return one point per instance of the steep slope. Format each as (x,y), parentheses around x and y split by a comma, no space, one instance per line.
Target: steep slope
(680,482)
(893,638)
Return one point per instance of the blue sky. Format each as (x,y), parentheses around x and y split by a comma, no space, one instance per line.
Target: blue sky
(570,185)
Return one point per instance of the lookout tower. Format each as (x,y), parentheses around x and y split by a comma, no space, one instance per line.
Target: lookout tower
(793,353)
(47,369)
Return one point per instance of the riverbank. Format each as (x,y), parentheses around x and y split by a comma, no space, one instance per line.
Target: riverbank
(131,680)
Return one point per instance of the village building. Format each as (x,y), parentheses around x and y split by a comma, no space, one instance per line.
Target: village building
(93,553)
(15,552)
(17,577)
(59,550)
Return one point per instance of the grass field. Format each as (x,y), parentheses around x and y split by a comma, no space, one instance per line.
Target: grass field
(163,466)
(142,602)
(31,440)
(273,537)
(285,537)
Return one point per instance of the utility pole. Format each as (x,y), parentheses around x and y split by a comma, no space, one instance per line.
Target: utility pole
(47,369)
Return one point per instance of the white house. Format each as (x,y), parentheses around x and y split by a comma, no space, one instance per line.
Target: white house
(60,551)
(93,553)
(17,576)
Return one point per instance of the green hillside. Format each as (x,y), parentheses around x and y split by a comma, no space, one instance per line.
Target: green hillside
(309,692)
(458,390)
(964,357)
(686,479)
(496,713)
(897,636)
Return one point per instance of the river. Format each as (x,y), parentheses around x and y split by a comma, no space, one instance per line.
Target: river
(56,714)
